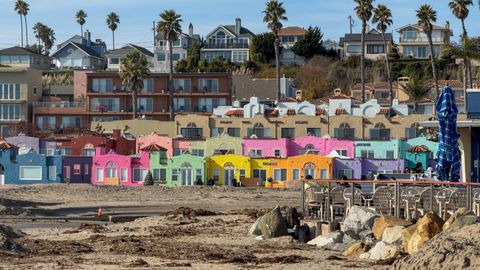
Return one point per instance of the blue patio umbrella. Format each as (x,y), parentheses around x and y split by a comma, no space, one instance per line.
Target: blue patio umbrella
(448,154)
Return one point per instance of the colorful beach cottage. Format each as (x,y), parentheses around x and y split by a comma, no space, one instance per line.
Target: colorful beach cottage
(418,154)
(114,169)
(321,146)
(186,170)
(77,169)
(362,168)
(164,142)
(223,169)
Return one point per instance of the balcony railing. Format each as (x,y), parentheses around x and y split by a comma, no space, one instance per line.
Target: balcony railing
(61,104)
(420,40)
(225,46)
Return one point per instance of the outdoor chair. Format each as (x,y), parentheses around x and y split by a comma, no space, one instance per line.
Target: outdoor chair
(337,202)
(381,200)
(424,203)
(458,199)
(315,199)
(409,197)
(476,202)
(358,198)
(443,198)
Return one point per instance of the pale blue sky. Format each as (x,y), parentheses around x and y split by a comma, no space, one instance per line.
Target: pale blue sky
(136,16)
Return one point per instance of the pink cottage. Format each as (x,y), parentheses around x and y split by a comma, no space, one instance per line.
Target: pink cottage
(114,169)
(163,141)
(320,146)
(265,147)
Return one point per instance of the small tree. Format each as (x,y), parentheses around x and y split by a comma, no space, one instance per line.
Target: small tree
(262,48)
(311,44)
(148,179)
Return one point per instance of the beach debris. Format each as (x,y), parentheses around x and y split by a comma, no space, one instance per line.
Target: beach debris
(8,242)
(393,235)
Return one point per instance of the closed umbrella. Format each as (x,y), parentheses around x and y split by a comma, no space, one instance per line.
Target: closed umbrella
(448,154)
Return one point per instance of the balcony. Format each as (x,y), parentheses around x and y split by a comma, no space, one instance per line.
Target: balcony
(225,46)
(59,107)
(420,40)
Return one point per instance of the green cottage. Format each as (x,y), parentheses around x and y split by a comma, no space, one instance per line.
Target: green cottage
(416,154)
(185,170)
(158,162)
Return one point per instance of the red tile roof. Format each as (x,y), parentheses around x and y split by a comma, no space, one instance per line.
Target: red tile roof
(319,111)
(292,31)
(5,145)
(384,111)
(340,111)
(235,112)
(153,148)
(271,112)
(418,149)
(291,112)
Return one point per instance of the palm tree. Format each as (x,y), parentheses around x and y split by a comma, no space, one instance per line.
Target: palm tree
(47,36)
(274,14)
(20,9)
(37,30)
(426,17)
(112,22)
(81,16)
(364,12)
(25,10)
(382,16)
(460,9)
(133,71)
(169,26)
(416,89)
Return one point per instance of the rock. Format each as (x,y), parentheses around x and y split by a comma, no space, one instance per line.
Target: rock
(459,213)
(359,219)
(7,240)
(387,221)
(323,240)
(350,236)
(340,247)
(426,228)
(465,221)
(283,239)
(382,251)
(304,234)
(355,250)
(273,224)
(393,235)
(368,238)
(292,217)
(255,229)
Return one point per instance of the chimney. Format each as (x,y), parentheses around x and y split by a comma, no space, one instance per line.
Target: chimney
(238,26)
(190,30)
(116,134)
(298,95)
(447,24)
(100,150)
(88,36)
(337,92)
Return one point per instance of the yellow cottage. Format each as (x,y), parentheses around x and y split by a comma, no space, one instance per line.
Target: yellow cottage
(224,168)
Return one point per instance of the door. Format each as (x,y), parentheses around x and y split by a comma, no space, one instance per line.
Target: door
(66,174)
(187,176)
(2,175)
(228,173)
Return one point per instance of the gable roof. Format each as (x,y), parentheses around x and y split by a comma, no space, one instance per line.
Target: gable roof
(417,26)
(85,49)
(17,50)
(370,36)
(127,48)
(292,30)
(231,30)
(374,86)
(246,86)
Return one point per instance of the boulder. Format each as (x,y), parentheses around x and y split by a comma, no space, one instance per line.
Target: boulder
(459,213)
(273,224)
(382,251)
(292,217)
(324,240)
(368,238)
(426,228)
(359,219)
(465,221)
(304,234)
(393,235)
(350,236)
(255,229)
(387,221)
(355,250)
(340,247)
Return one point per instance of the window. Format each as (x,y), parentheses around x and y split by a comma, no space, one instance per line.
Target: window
(30,172)
(342,152)
(216,132)
(123,174)
(102,85)
(139,175)
(344,132)
(147,86)
(191,131)
(198,175)
(260,174)
(88,152)
(10,111)
(370,154)
(161,56)
(65,151)
(208,85)
(9,91)
(379,132)
(182,104)
(323,174)
(198,152)
(309,149)
(50,152)
(160,174)
(234,132)
(255,153)
(71,121)
(105,105)
(314,132)
(46,122)
(216,175)
(99,172)
(145,104)
(180,151)
(111,173)
(182,85)
(413,131)
(242,174)
(410,35)
(390,154)
(296,174)
(76,169)
(114,61)
(258,131)
(279,174)
(347,173)
(277,153)
(174,174)
(288,133)
(375,49)
(354,48)
(208,104)
(52,173)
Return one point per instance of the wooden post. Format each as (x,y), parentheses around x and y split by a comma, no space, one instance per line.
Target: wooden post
(303,199)
(327,210)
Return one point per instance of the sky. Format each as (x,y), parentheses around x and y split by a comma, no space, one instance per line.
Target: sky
(137,16)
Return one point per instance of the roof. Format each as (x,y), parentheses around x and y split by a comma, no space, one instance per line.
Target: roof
(291,112)
(5,145)
(419,149)
(127,48)
(17,50)
(340,111)
(374,86)
(153,147)
(246,86)
(235,112)
(292,31)
(370,36)
(87,50)
(243,31)
(319,111)
(417,26)
(271,112)
(385,111)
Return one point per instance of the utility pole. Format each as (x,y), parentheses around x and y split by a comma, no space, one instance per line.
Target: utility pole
(351,23)
(154,34)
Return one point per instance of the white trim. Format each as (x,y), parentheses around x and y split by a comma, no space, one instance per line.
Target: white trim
(216,29)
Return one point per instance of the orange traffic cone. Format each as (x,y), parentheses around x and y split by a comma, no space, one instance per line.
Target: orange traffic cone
(100,212)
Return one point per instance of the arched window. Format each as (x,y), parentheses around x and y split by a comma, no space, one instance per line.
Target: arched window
(258,131)
(186,165)
(111,170)
(380,132)
(111,164)
(309,147)
(344,131)
(344,125)
(228,165)
(191,125)
(191,131)
(258,125)
(413,132)
(379,125)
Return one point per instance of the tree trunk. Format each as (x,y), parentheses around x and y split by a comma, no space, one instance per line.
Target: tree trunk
(21,28)
(434,66)
(387,63)
(113,36)
(464,28)
(170,80)
(26,30)
(470,75)
(277,66)
(362,60)
(81,30)
(134,103)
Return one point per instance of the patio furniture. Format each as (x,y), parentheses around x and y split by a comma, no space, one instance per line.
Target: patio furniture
(337,202)
(458,199)
(382,200)
(476,202)
(443,197)
(424,203)
(409,196)
(315,200)
(358,198)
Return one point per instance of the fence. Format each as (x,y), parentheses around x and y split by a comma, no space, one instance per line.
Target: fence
(330,200)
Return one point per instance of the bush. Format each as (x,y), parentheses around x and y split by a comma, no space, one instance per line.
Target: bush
(148,179)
